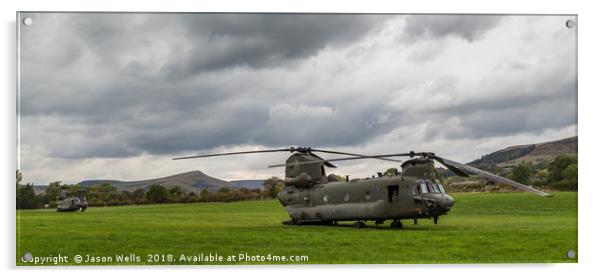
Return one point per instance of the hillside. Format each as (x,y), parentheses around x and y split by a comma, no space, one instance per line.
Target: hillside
(250,184)
(193,181)
(534,153)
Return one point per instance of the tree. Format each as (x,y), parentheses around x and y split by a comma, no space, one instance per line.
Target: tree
(19,178)
(26,197)
(272,186)
(521,173)
(51,192)
(157,194)
(138,196)
(570,173)
(391,172)
(223,190)
(204,196)
(542,175)
(176,191)
(560,163)
(106,188)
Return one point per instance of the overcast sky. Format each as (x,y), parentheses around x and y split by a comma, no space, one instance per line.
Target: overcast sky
(118,95)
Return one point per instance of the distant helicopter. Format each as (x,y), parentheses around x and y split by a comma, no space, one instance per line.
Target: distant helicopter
(71,203)
(312,197)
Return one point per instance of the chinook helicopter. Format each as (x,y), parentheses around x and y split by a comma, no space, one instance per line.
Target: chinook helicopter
(71,203)
(74,201)
(312,197)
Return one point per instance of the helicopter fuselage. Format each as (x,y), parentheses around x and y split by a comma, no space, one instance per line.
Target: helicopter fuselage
(389,197)
(413,194)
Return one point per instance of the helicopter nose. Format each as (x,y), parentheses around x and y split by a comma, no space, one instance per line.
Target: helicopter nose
(447,202)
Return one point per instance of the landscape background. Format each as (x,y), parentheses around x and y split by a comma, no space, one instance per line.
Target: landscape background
(550,166)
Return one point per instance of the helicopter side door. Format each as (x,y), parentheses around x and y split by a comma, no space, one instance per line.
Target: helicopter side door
(393,193)
(393,201)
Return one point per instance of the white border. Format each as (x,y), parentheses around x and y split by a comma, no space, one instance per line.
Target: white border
(589,131)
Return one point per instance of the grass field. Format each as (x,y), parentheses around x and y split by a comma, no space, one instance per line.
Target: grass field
(481,228)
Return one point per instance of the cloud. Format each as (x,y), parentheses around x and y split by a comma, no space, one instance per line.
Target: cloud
(466,27)
(264,40)
(103,88)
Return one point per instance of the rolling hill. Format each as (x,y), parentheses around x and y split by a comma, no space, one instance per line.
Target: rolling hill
(193,181)
(250,184)
(534,153)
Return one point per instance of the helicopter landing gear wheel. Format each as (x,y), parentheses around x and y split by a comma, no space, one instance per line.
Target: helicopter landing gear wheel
(436,219)
(359,225)
(290,222)
(396,224)
(415,221)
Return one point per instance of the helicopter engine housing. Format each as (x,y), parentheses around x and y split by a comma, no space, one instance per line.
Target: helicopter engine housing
(303,180)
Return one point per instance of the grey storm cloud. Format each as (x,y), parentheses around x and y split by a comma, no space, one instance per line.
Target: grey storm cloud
(534,103)
(263,40)
(434,26)
(210,42)
(101,77)
(122,85)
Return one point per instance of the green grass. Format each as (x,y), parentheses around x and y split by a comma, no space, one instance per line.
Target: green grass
(481,228)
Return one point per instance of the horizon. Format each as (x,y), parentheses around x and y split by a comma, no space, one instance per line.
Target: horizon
(217,177)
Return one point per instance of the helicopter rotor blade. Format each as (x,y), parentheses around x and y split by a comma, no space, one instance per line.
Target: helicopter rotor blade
(353,154)
(326,163)
(291,149)
(345,158)
(235,153)
(487,175)
(452,168)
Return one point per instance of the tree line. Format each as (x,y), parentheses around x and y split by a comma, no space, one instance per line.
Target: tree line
(560,174)
(107,195)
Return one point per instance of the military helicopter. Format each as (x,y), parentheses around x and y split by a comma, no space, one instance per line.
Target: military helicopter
(312,197)
(71,203)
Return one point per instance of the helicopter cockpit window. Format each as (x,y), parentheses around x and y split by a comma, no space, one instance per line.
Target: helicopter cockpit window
(432,187)
(440,187)
(422,187)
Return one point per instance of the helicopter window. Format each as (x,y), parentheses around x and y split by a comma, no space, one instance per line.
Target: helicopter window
(325,198)
(432,187)
(367,195)
(440,187)
(346,197)
(422,187)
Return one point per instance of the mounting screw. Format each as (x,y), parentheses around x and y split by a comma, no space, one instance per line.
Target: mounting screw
(569,23)
(570,254)
(27,257)
(28,21)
